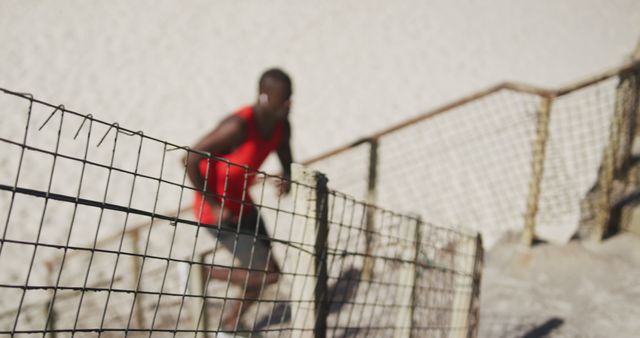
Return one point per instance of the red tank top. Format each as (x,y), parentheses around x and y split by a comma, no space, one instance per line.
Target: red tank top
(245,160)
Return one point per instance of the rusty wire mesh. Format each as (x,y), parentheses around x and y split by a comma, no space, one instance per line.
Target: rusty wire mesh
(92,245)
(470,163)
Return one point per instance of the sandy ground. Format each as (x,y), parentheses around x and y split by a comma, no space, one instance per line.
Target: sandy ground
(152,65)
(562,291)
(174,71)
(171,69)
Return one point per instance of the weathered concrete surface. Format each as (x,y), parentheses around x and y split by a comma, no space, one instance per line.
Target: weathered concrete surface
(567,291)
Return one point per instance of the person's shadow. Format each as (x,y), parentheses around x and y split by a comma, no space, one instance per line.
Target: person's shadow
(544,329)
(516,327)
(340,293)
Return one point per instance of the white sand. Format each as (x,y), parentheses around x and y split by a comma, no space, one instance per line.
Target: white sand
(172,70)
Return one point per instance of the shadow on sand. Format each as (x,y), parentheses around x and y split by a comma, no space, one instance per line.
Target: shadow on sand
(340,293)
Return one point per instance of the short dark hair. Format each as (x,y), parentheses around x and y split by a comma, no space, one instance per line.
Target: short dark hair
(280,76)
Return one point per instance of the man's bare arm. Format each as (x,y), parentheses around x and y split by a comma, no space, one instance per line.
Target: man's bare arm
(226,136)
(285,156)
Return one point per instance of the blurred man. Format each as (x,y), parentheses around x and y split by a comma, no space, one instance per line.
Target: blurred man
(244,138)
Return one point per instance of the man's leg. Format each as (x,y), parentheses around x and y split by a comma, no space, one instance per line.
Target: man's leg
(253,283)
(252,279)
(257,269)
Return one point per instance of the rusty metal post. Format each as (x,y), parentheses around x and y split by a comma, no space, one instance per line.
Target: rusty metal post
(463,250)
(631,169)
(372,180)
(321,298)
(631,129)
(474,306)
(537,170)
(626,170)
(308,300)
(416,273)
(608,167)
(628,90)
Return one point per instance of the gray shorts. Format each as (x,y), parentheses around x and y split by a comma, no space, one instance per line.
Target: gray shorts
(249,242)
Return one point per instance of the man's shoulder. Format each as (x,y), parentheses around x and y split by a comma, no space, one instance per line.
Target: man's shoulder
(239,116)
(245,112)
(236,120)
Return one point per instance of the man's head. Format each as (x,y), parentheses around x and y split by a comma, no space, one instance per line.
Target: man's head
(274,93)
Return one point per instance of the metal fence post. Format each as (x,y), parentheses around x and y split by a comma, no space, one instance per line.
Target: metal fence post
(463,251)
(630,86)
(626,117)
(474,306)
(416,274)
(322,227)
(608,167)
(372,179)
(312,230)
(631,170)
(539,153)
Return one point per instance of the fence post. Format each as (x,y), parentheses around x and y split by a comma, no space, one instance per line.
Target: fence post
(627,95)
(372,179)
(406,276)
(416,258)
(320,249)
(537,172)
(631,88)
(310,231)
(474,306)
(608,167)
(631,169)
(463,250)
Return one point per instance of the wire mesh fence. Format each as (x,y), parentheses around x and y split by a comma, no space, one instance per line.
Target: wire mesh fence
(508,158)
(92,245)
